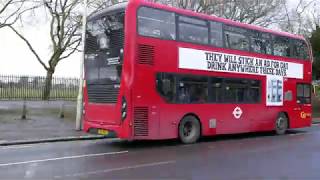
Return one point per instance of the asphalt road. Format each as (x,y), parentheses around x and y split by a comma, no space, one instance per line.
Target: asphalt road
(248,156)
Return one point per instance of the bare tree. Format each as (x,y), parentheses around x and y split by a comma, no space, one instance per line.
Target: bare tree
(10,11)
(314,18)
(311,19)
(259,12)
(301,19)
(65,22)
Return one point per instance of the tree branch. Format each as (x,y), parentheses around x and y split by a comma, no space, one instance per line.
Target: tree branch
(5,6)
(72,51)
(30,47)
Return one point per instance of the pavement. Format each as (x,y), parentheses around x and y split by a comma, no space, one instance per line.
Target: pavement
(43,123)
(316,120)
(261,156)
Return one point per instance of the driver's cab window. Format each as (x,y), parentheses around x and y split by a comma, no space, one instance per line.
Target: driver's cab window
(303,93)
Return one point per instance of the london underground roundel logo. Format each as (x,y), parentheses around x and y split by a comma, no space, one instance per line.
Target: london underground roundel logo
(237,112)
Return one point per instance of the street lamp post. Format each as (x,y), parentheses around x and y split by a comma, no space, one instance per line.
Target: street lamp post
(81,81)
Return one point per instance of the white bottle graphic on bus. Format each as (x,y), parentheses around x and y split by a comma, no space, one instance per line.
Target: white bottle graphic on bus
(269,91)
(279,91)
(274,90)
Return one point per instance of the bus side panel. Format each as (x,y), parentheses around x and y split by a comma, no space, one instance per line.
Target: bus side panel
(145,90)
(145,108)
(263,116)
(216,118)
(241,118)
(302,118)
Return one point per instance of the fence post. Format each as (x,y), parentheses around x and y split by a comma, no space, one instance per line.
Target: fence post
(24,110)
(61,113)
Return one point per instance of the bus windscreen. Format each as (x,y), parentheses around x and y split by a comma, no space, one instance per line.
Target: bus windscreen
(104,53)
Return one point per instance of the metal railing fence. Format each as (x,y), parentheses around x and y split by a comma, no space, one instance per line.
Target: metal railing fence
(13,87)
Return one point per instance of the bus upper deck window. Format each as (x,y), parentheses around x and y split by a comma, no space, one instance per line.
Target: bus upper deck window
(281,46)
(236,41)
(216,37)
(193,30)
(260,42)
(300,49)
(156,23)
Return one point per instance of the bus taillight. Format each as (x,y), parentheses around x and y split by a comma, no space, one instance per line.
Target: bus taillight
(124,106)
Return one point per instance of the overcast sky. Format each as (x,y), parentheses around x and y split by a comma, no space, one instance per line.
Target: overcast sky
(16,58)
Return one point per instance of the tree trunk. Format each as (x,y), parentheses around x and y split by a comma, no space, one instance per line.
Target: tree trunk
(48,84)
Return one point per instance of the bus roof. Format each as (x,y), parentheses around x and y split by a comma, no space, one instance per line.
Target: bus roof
(122,6)
(114,8)
(216,18)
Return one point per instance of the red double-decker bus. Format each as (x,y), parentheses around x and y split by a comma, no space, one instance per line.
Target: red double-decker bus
(158,72)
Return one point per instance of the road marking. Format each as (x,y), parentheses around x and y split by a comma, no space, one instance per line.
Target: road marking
(15,147)
(62,158)
(81,142)
(117,169)
(303,133)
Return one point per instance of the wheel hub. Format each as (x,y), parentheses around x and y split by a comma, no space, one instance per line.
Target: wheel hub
(280,124)
(187,129)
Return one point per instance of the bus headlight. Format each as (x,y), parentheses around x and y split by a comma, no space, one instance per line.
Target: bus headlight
(124,106)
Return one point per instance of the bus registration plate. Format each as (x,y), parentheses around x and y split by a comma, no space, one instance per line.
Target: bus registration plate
(103,132)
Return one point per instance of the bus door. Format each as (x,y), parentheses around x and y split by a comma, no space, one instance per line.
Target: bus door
(302,108)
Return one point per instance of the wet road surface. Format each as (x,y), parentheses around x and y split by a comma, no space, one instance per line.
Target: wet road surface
(247,156)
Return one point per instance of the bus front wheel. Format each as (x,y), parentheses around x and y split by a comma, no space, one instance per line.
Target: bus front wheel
(189,130)
(282,124)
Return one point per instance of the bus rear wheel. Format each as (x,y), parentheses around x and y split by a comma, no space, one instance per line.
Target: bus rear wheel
(189,130)
(281,124)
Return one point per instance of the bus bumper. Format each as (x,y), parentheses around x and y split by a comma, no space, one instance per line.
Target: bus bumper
(110,131)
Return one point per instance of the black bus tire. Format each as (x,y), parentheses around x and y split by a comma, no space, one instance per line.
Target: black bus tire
(281,124)
(189,130)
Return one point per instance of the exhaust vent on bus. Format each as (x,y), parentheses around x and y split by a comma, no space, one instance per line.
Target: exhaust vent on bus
(100,93)
(146,54)
(140,125)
